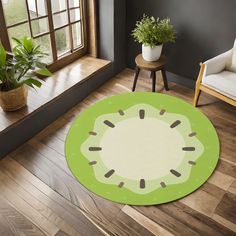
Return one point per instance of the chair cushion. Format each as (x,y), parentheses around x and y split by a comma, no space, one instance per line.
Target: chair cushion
(224,83)
(232,64)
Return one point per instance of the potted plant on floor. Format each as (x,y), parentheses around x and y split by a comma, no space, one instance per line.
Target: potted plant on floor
(19,70)
(152,33)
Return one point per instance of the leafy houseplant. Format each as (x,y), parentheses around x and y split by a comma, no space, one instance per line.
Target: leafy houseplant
(19,70)
(152,33)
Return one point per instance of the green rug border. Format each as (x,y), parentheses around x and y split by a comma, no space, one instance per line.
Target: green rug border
(84,173)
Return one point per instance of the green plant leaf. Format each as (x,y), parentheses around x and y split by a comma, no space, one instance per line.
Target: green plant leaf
(22,67)
(152,32)
(44,72)
(32,82)
(3,56)
(28,44)
(17,41)
(40,65)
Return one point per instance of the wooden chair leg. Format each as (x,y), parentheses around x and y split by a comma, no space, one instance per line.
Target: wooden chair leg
(163,71)
(198,84)
(153,75)
(137,70)
(197,95)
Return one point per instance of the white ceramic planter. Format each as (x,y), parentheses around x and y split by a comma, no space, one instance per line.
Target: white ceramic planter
(151,54)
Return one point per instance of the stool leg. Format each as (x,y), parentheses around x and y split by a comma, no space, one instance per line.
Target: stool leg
(137,70)
(163,71)
(153,75)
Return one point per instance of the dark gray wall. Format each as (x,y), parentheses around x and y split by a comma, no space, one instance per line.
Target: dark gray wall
(106,29)
(112,32)
(205,28)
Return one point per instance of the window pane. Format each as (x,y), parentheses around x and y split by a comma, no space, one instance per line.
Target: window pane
(62,40)
(45,46)
(76,32)
(37,8)
(60,20)
(15,11)
(19,32)
(75,15)
(74,3)
(39,26)
(58,5)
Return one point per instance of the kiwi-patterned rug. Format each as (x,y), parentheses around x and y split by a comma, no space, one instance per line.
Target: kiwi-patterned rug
(142,148)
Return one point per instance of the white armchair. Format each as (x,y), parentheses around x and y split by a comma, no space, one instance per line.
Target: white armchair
(215,79)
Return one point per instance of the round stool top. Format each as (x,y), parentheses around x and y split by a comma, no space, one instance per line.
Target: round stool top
(152,65)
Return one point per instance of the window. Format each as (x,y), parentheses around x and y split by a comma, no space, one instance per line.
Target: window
(57,25)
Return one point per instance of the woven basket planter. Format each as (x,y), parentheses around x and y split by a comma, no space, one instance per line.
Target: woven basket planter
(15,99)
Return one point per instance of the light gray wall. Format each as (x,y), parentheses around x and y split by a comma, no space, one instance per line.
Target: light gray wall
(205,28)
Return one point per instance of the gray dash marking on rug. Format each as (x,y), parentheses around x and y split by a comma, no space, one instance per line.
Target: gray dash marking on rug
(142,114)
(163,185)
(109,124)
(175,124)
(95,149)
(192,134)
(175,173)
(121,112)
(162,112)
(93,133)
(188,149)
(92,163)
(109,173)
(142,183)
(193,163)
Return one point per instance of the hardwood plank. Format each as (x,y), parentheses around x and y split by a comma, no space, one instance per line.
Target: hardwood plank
(44,208)
(126,225)
(177,214)
(54,143)
(49,153)
(232,188)
(202,202)
(147,223)
(195,220)
(212,190)
(165,221)
(61,233)
(14,223)
(49,198)
(225,223)
(227,167)
(221,180)
(25,209)
(227,207)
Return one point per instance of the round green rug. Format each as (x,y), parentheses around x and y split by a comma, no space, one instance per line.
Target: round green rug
(142,148)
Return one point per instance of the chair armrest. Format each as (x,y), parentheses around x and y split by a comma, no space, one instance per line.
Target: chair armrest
(218,63)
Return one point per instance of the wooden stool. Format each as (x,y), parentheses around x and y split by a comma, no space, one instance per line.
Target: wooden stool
(155,66)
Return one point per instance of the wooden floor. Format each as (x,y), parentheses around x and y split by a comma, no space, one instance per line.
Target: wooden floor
(39,195)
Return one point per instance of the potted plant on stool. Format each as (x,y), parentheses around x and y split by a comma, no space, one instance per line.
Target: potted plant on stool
(19,70)
(153,33)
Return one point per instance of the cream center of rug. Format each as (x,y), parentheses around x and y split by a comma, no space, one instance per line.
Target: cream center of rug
(142,148)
